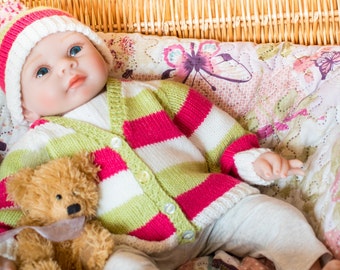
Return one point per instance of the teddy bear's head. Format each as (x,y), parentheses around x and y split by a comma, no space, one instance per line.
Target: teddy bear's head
(59,189)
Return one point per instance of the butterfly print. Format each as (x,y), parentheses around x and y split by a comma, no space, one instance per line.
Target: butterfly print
(206,61)
(326,62)
(267,51)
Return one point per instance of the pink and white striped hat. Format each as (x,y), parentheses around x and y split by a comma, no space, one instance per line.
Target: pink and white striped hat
(21,34)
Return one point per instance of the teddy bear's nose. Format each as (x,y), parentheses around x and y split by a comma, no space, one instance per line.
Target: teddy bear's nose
(73,208)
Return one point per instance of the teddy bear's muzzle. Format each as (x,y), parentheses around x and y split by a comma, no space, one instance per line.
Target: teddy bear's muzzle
(73,208)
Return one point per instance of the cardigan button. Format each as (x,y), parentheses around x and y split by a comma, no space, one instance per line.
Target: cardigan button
(116,142)
(143,177)
(188,235)
(170,208)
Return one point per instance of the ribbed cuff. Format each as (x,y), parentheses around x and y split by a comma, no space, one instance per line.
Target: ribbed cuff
(245,168)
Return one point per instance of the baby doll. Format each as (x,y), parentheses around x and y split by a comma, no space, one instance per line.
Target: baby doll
(175,169)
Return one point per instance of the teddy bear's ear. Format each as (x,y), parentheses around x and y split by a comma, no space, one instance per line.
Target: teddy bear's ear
(16,184)
(84,161)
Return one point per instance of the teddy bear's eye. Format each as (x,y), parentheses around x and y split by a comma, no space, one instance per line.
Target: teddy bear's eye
(58,197)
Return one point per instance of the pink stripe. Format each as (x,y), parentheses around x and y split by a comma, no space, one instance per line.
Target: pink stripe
(110,162)
(195,200)
(243,143)
(195,109)
(157,229)
(154,128)
(15,30)
(4,203)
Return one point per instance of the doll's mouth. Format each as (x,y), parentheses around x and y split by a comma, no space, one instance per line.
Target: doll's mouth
(76,81)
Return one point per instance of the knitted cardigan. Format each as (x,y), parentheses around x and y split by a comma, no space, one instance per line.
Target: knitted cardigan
(167,158)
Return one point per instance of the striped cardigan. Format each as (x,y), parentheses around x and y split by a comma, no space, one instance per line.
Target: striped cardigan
(167,158)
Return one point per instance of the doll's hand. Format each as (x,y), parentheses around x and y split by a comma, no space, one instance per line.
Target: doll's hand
(271,166)
(6,264)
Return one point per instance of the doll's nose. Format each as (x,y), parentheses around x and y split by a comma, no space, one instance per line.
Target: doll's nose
(66,64)
(73,208)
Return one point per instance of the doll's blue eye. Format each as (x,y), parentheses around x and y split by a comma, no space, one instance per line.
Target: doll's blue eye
(74,50)
(41,72)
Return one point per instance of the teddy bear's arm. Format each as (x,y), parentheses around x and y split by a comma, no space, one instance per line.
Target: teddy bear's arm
(33,248)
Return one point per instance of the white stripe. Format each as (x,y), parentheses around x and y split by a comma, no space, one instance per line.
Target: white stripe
(213,129)
(117,190)
(41,136)
(169,153)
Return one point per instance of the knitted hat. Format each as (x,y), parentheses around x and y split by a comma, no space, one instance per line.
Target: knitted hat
(21,34)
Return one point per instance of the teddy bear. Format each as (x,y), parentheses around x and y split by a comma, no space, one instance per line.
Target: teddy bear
(61,189)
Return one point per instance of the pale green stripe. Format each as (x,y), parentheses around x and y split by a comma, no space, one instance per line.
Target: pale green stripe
(18,159)
(133,214)
(145,103)
(10,217)
(173,95)
(188,175)
(88,130)
(153,189)
(74,143)
(68,144)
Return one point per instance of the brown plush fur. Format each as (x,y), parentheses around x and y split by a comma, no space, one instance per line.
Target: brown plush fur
(44,194)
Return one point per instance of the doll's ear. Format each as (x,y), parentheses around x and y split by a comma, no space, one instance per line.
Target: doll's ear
(17,184)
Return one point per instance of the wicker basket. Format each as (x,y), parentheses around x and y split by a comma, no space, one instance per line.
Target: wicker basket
(262,21)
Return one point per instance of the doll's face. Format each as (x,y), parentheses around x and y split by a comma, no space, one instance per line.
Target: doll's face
(62,72)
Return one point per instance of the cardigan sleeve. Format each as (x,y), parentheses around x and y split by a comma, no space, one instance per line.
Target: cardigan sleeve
(213,131)
(29,151)
(17,158)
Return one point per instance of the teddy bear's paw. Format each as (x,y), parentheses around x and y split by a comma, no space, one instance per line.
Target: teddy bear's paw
(98,258)
(95,246)
(94,266)
(41,265)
